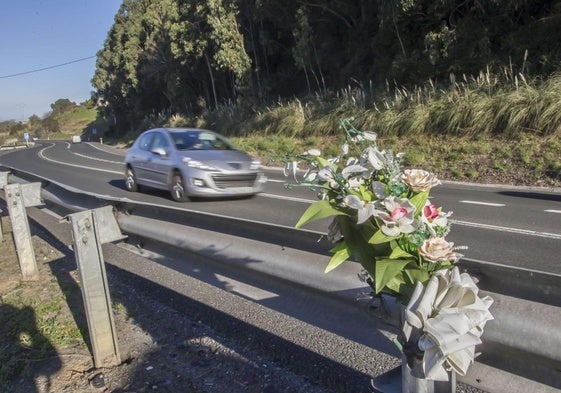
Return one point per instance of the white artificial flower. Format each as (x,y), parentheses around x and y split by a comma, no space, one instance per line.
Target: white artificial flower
(365,209)
(313,152)
(379,189)
(433,217)
(370,136)
(419,180)
(397,215)
(353,170)
(436,249)
(376,158)
(290,168)
(365,136)
(328,174)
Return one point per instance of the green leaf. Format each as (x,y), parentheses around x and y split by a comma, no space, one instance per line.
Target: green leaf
(400,253)
(322,162)
(415,274)
(397,284)
(419,202)
(356,240)
(365,194)
(340,254)
(387,269)
(317,211)
(379,237)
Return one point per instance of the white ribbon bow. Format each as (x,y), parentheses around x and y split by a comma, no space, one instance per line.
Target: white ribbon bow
(446,320)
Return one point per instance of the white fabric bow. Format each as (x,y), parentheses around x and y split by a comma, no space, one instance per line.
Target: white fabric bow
(445,319)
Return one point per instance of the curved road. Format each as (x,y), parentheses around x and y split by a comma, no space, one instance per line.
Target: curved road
(505,225)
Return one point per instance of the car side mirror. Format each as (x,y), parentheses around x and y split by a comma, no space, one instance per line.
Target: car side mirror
(160,151)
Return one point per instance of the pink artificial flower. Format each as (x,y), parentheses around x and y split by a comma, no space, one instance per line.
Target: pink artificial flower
(430,211)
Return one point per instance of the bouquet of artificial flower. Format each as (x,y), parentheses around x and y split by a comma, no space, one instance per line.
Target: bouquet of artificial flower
(382,217)
(382,214)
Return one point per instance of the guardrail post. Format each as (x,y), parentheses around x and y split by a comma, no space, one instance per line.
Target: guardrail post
(1,229)
(3,182)
(400,380)
(90,229)
(18,197)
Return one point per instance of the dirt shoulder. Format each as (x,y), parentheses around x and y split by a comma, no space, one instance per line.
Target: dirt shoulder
(45,337)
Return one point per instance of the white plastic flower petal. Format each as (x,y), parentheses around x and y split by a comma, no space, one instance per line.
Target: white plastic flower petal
(313,152)
(365,210)
(376,158)
(353,170)
(379,189)
(370,136)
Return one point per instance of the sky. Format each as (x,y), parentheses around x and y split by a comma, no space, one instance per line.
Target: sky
(37,34)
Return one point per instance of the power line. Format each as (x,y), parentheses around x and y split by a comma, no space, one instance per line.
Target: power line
(46,68)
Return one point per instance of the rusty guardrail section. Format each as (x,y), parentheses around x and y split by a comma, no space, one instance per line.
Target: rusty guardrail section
(524,339)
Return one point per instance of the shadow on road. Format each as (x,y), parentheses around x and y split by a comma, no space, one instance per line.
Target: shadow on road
(533,195)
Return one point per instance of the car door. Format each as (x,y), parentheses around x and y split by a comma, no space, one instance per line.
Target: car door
(158,164)
(139,156)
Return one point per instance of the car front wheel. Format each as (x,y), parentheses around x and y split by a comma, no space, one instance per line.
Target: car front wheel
(177,189)
(130,180)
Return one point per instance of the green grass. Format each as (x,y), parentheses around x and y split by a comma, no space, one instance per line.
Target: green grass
(76,120)
(32,328)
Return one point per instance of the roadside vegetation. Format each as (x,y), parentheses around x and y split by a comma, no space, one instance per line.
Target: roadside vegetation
(492,128)
(496,127)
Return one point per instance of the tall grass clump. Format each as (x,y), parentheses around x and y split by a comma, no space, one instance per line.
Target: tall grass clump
(549,107)
(287,119)
(500,119)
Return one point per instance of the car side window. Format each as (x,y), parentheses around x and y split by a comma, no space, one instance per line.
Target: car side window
(159,141)
(145,141)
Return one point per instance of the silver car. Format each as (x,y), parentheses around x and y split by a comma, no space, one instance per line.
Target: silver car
(191,162)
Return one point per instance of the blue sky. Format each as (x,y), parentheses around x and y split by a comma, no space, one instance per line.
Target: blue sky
(37,34)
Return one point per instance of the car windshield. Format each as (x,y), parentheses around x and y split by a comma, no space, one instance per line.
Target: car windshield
(200,140)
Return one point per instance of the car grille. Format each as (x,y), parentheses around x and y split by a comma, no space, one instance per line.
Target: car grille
(232,181)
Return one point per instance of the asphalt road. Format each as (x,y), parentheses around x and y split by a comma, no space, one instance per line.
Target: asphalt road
(500,224)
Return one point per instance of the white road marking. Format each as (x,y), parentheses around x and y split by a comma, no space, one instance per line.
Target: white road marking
(74,165)
(484,203)
(98,159)
(104,149)
(287,198)
(506,229)
(464,223)
(552,211)
(244,289)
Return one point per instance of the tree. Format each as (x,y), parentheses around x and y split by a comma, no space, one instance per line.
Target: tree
(167,56)
(62,105)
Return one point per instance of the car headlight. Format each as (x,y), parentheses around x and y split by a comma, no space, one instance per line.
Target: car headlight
(198,164)
(255,164)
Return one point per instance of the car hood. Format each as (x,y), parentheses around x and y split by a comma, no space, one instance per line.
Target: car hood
(226,160)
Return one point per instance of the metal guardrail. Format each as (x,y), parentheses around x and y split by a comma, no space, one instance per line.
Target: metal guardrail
(16,145)
(527,302)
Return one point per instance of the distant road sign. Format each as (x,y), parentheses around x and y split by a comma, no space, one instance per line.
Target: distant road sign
(26,136)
